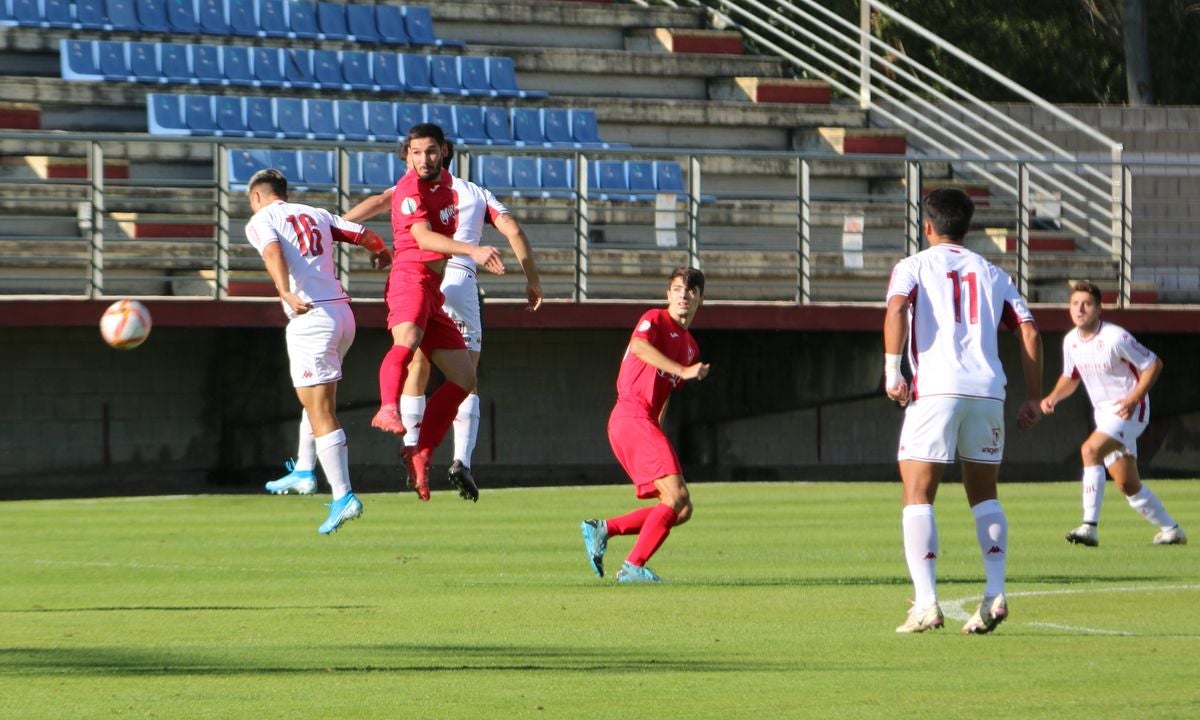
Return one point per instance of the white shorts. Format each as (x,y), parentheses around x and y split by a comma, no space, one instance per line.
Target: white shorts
(935,428)
(317,341)
(1125,432)
(462,304)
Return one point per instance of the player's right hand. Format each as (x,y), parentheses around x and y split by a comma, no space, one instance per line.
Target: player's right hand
(899,393)
(381,259)
(699,371)
(489,258)
(296,304)
(1029,414)
(1047,405)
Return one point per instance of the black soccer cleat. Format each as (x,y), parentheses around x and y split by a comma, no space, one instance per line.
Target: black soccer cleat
(460,477)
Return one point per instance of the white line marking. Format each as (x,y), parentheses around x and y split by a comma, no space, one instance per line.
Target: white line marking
(954,608)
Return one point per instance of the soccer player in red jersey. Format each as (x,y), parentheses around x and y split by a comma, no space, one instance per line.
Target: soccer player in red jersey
(424,218)
(661,356)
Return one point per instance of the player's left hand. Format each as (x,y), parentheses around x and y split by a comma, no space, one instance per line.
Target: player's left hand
(899,393)
(381,259)
(1126,407)
(489,258)
(533,293)
(1029,414)
(295,303)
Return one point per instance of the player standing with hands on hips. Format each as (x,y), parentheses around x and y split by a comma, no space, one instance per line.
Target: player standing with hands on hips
(952,302)
(295,242)
(1118,373)
(661,356)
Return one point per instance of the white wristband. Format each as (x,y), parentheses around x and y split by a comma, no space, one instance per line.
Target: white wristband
(891,370)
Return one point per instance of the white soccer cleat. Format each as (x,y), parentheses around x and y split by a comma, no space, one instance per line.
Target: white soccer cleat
(919,621)
(1085,535)
(1174,536)
(990,613)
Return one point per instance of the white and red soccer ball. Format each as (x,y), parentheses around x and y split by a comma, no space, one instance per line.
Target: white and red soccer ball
(125,324)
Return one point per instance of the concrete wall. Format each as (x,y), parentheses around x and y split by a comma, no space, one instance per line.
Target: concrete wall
(211,410)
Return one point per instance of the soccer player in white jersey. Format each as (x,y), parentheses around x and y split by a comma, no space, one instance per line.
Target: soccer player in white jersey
(1118,373)
(948,303)
(477,206)
(296,244)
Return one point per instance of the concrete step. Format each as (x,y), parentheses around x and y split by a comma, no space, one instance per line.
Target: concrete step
(50,167)
(771,90)
(684,40)
(852,141)
(1040,241)
(20,116)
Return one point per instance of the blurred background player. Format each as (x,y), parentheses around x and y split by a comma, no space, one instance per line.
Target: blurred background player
(1118,373)
(953,301)
(476,206)
(661,356)
(296,244)
(424,217)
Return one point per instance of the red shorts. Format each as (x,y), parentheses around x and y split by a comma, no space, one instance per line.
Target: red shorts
(643,450)
(414,294)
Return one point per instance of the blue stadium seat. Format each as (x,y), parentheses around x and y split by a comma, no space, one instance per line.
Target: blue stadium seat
(260,117)
(351,120)
(415,69)
(331,19)
(162,115)
(360,22)
(440,115)
(407,115)
(302,19)
(198,114)
(527,126)
(497,125)
(143,62)
(230,114)
(381,120)
(668,177)
(320,119)
(468,124)
(113,60)
(152,16)
(494,172)
(244,163)
(503,79)
(286,162)
(443,72)
(585,131)
(556,126)
(235,65)
(91,15)
(272,19)
(298,68)
(122,15)
(289,117)
(472,75)
(213,18)
(327,69)
(316,167)
(557,176)
(389,19)
(77,60)
(28,13)
(611,179)
(181,16)
(418,22)
(243,17)
(640,174)
(525,174)
(356,68)
(377,169)
(268,66)
(206,65)
(58,13)
(174,63)
(385,71)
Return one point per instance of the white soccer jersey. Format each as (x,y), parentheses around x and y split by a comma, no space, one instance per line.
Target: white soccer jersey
(1109,363)
(306,234)
(476,206)
(959,301)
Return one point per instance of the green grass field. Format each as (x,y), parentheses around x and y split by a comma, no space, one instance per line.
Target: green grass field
(781,603)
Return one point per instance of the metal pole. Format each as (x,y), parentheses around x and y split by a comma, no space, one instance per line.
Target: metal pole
(1126,236)
(343,205)
(96,200)
(912,208)
(1023,219)
(221,161)
(694,187)
(864,54)
(803,232)
(582,229)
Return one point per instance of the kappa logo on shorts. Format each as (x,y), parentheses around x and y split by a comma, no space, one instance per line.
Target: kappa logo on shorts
(408,205)
(307,374)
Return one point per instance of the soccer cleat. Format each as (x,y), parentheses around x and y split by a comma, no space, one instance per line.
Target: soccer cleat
(460,477)
(296,482)
(990,613)
(595,541)
(630,573)
(930,618)
(388,420)
(1085,535)
(1174,536)
(340,512)
(416,464)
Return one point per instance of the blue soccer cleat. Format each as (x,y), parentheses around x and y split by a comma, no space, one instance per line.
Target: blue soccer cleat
(630,573)
(296,482)
(341,511)
(595,541)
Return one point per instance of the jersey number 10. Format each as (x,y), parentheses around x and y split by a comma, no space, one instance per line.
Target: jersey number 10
(972,296)
(309,236)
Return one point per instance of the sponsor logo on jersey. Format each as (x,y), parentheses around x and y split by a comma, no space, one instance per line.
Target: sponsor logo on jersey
(447,214)
(408,205)
(674,335)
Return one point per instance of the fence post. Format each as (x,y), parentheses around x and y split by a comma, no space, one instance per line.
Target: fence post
(221,160)
(1126,236)
(694,188)
(580,291)
(803,232)
(343,206)
(912,208)
(864,54)
(95,158)
(1023,219)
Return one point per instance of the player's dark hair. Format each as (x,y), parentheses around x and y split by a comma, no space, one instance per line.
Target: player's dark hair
(1088,287)
(692,278)
(402,152)
(426,130)
(272,178)
(950,211)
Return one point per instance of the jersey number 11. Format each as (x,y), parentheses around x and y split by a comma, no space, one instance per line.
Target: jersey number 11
(972,296)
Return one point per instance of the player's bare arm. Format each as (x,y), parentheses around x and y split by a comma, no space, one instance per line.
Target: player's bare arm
(277,268)
(1063,389)
(519,243)
(1146,380)
(895,332)
(485,255)
(652,356)
(1030,411)
(369,208)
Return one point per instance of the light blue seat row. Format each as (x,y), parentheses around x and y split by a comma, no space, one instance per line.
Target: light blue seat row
(369,171)
(618,180)
(347,22)
(374,120)
(173,63)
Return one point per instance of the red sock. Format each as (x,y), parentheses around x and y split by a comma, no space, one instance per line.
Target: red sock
(439,414)
(392,372)
(629,524)
(655,530)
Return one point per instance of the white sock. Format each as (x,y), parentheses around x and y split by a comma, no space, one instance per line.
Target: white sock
(920,550)
(1093,493)
(306,450)
(466,429)
(335,461)
(412,411)
(1151,508)
(991,530)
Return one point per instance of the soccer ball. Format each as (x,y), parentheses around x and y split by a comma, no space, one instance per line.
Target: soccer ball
(125,324)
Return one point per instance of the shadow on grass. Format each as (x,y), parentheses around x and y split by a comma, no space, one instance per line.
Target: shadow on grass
(184,608)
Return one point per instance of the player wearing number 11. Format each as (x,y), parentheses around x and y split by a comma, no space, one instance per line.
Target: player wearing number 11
(948,303)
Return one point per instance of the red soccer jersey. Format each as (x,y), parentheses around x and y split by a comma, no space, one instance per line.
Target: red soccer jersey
(641,389)
(415,201)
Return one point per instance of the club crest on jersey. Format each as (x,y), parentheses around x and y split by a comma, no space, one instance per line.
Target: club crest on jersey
(408,205)
(644,326)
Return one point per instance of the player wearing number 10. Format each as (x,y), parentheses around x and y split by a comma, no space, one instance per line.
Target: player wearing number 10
(949,302)
(295,242)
